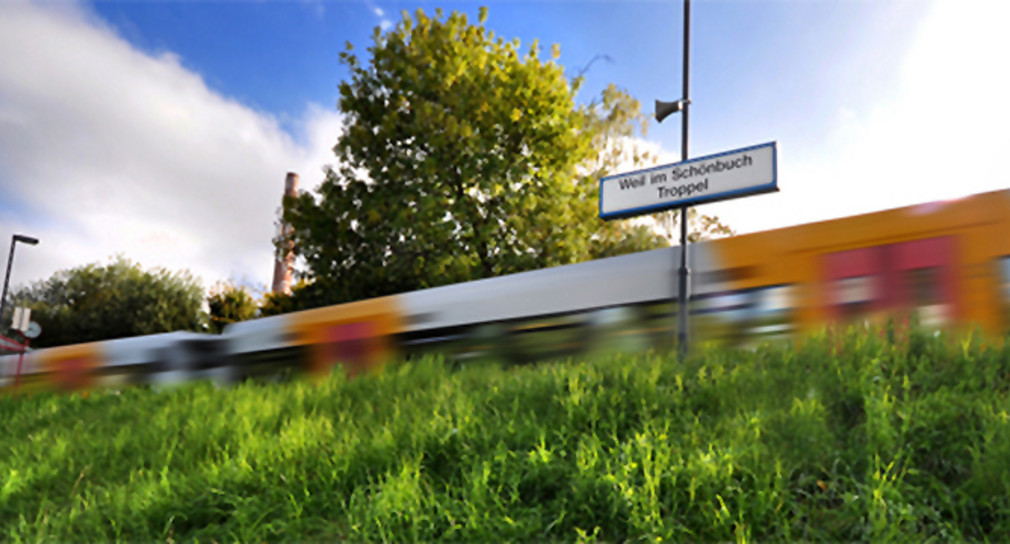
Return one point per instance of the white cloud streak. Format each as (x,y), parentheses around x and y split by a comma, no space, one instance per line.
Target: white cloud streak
(106,150)
(939,136)
(384,22)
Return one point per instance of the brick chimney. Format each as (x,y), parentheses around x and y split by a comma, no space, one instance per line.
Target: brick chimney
(284,266)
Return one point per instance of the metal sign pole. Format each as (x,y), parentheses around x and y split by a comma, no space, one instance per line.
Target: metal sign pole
(731,174)
(683,293)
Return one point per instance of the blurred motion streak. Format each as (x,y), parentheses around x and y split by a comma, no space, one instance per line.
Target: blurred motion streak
(946,263)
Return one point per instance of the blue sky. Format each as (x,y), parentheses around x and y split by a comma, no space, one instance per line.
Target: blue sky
(162,131)
(277,57)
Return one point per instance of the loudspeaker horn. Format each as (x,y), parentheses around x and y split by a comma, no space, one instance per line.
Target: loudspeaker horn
(664,109)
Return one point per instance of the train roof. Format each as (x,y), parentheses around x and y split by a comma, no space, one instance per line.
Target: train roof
(636,278)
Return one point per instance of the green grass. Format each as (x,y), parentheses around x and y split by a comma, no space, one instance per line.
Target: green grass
(846,438)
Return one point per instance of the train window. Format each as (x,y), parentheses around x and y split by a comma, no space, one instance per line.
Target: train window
(924,292)
(1004,268)
(923,286)
(1004,271)
(775,299)
(854,290)
(720,316)
(773,311)
(742,317)
(731,305)
(854,295)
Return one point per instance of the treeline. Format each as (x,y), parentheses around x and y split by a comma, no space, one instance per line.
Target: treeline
(121,299)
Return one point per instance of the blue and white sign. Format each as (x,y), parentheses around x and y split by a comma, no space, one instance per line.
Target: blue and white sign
(741,172)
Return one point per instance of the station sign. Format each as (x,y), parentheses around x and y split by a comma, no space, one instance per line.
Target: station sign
(731,174)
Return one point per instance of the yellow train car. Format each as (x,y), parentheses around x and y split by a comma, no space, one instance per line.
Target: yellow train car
(357,335)
(947,261)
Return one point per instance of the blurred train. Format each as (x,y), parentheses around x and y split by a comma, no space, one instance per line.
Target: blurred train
(949,262)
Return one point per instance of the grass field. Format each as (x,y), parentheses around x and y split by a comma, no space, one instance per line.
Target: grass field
(839,438)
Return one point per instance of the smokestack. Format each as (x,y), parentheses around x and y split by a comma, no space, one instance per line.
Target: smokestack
(284,266)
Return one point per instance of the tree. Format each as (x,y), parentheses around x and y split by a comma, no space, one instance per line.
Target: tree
(699,226)
(614,119)
(281,303)
(93,302)
(228,304)
(304,295)
(461,157)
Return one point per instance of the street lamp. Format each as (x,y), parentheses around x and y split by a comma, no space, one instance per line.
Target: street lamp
(10,260)
(664,109)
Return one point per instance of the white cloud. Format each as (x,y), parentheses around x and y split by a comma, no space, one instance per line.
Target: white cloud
(941,135)
(105,150)
(384,22)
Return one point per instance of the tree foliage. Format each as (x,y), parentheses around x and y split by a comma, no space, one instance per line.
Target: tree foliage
(614,119)
(462,156)
(229,304)
(280,303)
(699,226)
(304,294)
(93,302)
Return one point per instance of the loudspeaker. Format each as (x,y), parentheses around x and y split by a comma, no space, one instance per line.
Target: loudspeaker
(664,109)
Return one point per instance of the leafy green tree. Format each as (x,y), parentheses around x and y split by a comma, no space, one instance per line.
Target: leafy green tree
(304,295)
(228,304)
(94,302)
(462,157)
(279,303)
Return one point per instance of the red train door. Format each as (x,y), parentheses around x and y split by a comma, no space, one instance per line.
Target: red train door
(854,283)
(923,278)
(909,276)
(354,345)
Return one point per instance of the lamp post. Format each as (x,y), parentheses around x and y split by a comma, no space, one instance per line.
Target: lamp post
(10,260)
(663,109)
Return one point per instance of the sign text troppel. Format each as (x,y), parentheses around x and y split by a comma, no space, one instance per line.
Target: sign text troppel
(740,172)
